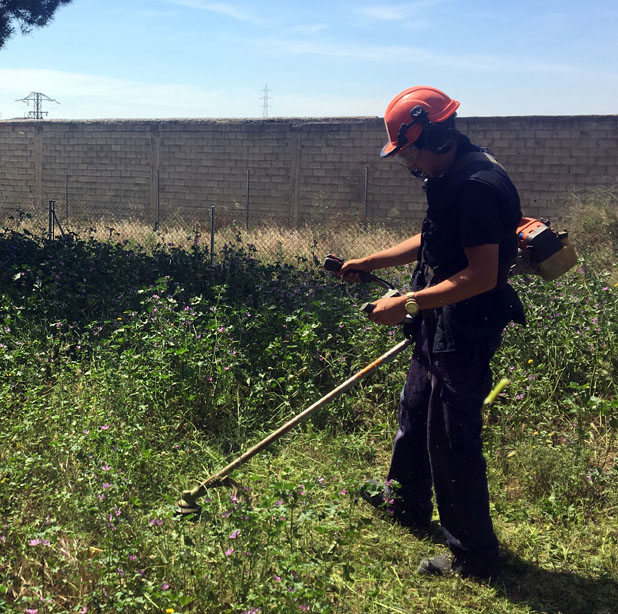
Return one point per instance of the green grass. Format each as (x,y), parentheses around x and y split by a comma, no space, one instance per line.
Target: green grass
(128,375)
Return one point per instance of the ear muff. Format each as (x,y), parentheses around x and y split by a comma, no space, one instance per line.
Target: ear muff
(435,137)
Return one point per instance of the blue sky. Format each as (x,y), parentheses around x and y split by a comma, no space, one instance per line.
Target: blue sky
(195,58)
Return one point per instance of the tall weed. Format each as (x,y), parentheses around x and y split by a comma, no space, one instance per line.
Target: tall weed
(127,373)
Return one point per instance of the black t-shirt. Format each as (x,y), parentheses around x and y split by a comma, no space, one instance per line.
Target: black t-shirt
(474,204)
(483,220)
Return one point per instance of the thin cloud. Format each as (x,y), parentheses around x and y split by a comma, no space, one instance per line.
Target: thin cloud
(222,8)
(156,14)
(84,96)
(327,105)
(92,96)
(397,12)
(411,55)
(309,29)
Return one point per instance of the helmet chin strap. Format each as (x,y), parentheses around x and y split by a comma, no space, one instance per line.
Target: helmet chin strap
(419,174)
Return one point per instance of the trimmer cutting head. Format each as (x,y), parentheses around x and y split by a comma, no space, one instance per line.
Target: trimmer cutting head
(188,505)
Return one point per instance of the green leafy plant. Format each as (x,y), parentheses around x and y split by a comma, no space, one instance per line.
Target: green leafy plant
(128,373)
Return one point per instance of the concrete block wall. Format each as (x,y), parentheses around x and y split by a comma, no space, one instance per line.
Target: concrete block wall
(19,158)
(552,158)
(102,167)
(289,170)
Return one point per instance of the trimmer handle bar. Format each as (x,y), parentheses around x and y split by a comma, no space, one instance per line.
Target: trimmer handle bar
(410,323)
(334,263)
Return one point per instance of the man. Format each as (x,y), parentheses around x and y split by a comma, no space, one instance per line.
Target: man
(461,301)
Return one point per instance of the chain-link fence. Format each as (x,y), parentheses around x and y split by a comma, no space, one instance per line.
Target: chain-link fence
(267,236)
(592,224)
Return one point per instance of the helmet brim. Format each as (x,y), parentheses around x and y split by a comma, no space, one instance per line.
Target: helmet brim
(389,149)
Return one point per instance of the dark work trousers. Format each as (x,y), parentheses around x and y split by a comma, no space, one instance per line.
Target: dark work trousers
(439,443)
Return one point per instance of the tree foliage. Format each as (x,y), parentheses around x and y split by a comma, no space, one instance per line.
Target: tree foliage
(25,15)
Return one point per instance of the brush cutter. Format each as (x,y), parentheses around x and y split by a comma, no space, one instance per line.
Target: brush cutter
(188,504)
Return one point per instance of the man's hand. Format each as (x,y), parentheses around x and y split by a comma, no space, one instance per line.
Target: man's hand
(389,311)
(347,271)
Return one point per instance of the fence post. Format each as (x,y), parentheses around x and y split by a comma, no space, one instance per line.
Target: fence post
(248,193)
(52,212)
(212,235)
(66,195)
(158,198)
(366,192)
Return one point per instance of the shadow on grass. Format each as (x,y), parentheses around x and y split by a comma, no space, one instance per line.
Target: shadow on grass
(556,592)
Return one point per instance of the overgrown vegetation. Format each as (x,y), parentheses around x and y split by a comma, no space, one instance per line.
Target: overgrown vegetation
(128,374)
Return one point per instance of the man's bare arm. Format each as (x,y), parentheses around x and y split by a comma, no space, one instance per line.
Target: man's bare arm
(402,253)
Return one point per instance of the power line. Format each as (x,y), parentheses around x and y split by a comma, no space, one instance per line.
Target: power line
(265,98)
(36,99)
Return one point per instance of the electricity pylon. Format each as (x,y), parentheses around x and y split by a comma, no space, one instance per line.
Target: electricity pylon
(36,99)
(265,100)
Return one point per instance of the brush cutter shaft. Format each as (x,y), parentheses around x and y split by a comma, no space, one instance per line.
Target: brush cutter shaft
(221,475)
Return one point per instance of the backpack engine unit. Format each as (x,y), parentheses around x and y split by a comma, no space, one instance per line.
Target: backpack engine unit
(542,250)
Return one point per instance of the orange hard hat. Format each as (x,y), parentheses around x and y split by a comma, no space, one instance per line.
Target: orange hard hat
(410,111)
